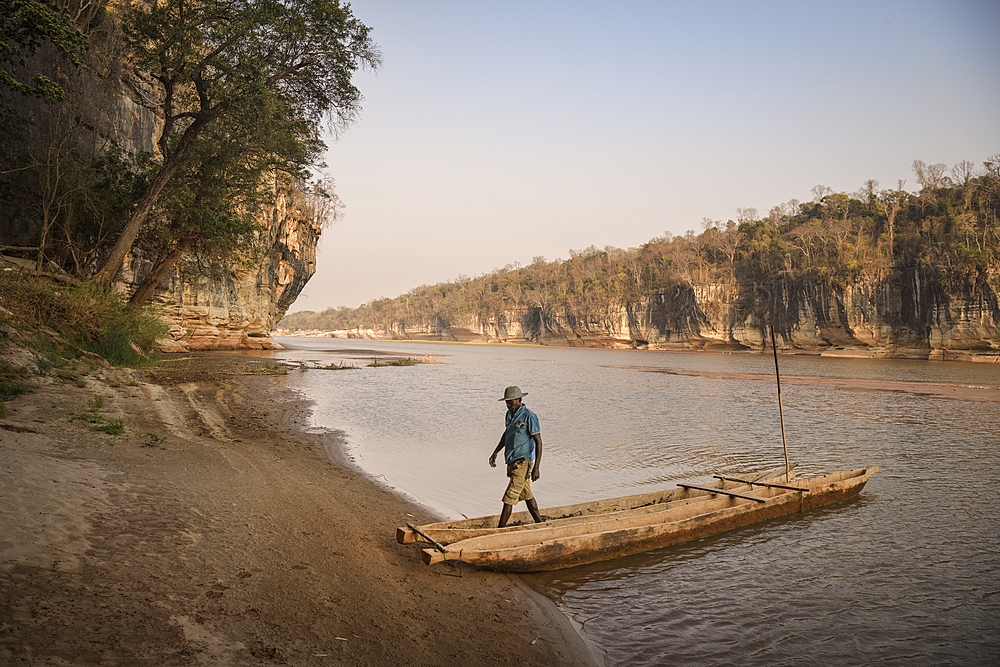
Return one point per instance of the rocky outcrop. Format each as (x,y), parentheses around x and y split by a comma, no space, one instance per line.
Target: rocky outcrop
(910,317)
(225,307)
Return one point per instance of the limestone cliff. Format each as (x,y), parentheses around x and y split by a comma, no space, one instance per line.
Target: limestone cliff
(909,318)
(235,307)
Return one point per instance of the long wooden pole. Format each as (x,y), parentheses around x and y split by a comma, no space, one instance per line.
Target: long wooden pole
(427,537)
(781,412)
(767,484)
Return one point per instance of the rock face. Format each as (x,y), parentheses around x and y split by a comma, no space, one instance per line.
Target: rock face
(234,307)
(913,317)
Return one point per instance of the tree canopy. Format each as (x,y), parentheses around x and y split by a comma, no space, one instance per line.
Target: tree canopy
(216,59)
(213,203)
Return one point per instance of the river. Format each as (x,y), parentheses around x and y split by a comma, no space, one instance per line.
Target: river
(907,572)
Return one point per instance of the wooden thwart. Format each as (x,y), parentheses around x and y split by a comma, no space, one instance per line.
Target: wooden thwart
(724,492)
(767,484)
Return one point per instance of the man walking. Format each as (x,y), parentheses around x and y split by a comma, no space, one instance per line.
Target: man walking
(522,445)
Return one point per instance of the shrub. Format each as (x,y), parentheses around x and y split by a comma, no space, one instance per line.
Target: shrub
(83,315)
(11,381)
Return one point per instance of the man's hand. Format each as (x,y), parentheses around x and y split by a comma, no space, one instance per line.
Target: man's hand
(493,461)
(535,474)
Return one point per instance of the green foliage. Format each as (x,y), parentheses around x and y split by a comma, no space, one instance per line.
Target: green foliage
(12,381)
(224,180)
(267,368)
(403,361)
(115,181)
(24,26)
(43,365)
(110,426)
(126,334)
(340,366)
(93,414)
(241,80)
(83,315)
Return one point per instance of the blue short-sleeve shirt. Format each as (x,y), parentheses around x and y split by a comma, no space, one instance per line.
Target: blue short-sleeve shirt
(517,440)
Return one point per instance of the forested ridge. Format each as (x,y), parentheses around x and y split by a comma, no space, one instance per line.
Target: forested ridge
(947,231)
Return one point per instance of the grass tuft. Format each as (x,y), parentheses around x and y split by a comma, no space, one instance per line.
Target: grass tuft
(81,316)
(110,426)
(12,382)
(339,366)
(266,368)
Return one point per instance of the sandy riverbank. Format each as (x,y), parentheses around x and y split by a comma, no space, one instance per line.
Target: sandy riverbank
(215,531)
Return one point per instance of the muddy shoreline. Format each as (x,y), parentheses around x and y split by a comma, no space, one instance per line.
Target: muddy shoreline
(215,529)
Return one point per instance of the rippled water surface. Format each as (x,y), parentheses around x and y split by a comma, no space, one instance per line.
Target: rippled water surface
(908,572)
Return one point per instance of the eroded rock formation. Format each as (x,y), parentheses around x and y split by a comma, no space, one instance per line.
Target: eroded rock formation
(234,307)
(911,317)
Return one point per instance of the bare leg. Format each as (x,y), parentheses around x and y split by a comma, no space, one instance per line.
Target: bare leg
(505,515)
(533,508)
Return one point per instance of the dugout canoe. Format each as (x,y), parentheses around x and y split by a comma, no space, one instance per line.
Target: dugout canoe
(447,532)
(614,535)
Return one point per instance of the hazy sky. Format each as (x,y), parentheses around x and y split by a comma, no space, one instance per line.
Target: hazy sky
(500,131)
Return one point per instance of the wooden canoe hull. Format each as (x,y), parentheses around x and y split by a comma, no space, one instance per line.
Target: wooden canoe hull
(448,532)
(556,548)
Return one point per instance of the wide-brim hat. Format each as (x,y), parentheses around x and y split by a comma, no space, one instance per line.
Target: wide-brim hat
(511,393)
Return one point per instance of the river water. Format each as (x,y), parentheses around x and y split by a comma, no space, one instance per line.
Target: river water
(909,572)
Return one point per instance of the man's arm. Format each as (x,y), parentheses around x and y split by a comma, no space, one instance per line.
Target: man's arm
(493,458)
(538,457)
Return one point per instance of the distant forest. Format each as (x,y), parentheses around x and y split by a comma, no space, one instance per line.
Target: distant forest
(948,230)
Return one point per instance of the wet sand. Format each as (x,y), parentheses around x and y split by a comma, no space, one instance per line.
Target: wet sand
(214,530)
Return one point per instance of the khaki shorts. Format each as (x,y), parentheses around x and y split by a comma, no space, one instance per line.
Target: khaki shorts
(519,487)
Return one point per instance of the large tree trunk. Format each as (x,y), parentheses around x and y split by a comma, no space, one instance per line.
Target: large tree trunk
(160,269)
(113,264)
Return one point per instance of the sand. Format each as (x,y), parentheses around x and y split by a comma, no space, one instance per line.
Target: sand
(215,530)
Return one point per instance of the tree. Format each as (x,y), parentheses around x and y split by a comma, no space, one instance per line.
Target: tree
(746,215)
(217,56)
(896,200)
(963,172)
(214,202)
(992,165)
(868,194)
(931,175)
(25,25)
(820,191)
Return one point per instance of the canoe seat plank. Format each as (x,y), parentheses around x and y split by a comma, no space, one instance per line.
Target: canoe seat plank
(769,485)
(745,496)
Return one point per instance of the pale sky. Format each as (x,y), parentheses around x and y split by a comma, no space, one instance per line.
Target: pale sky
(501,131)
